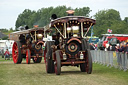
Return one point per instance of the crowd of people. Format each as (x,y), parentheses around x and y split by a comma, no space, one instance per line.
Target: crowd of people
(121,47)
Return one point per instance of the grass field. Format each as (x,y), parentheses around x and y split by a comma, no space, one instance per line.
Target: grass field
(3,59)
(35,74)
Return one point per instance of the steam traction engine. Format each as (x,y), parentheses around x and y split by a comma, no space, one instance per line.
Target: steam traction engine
(28,44)
(69,46)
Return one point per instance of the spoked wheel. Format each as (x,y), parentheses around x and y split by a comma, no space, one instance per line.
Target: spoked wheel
(57,63)
(88,62)
(16,52)
(49,62)
(28,56)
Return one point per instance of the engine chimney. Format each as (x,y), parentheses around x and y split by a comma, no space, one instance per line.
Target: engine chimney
(70,12)
(54,16)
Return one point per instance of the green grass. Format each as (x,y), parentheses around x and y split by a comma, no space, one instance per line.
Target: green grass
(3,59)
(35,74)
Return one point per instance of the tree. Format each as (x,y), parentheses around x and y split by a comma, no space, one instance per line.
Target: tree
(82,11)
(126,19)
(106,19)
(25,18)
(43,15)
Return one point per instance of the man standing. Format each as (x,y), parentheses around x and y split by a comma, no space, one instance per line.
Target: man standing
(6,54)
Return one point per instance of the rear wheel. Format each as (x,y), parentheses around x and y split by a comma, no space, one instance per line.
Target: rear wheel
(57,63)
(16,52)
(87,66)
(28,56)
(49,62)
(89,62)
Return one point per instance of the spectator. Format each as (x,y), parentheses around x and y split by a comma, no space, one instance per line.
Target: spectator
(121,47)
(112,48)
(126,48)
(92,47)
(6,54)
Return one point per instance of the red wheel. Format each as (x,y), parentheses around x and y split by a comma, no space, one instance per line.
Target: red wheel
(28,56)
(16,52)
(88,62)
(57,63)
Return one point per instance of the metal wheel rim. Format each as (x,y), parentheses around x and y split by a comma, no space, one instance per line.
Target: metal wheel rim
(15,52)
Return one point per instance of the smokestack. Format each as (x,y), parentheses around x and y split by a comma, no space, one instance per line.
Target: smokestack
(54,16)
(70,12)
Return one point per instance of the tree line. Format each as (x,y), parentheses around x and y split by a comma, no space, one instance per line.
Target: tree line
(105,19)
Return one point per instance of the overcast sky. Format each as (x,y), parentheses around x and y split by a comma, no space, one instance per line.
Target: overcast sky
(10,9)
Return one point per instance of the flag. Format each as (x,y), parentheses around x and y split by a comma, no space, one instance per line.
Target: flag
(109,31)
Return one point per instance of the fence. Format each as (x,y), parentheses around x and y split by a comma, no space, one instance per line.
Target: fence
(110,58)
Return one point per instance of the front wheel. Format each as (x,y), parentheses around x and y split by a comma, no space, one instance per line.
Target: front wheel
(57,63)
(49,61)
(16,52)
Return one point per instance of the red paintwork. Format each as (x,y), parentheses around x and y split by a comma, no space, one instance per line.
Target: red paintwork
(120,38)
(15,52)
(27,58)
(104,43)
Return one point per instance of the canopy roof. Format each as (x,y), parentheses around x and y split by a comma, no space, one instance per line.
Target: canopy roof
(71,18)
(124,35)
(31,30)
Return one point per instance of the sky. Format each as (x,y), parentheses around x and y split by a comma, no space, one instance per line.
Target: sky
(10,9)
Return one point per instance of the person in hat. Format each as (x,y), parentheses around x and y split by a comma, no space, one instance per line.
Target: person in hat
(6,54)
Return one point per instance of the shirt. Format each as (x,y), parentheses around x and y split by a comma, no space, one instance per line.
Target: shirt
(6,53)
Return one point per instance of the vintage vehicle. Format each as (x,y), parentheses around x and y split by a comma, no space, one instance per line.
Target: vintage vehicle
(69,46)
(109,38)
(28,44)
